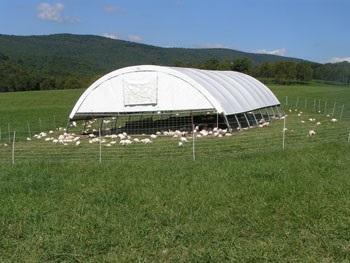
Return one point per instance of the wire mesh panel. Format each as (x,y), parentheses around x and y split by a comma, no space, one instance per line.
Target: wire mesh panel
(164,135)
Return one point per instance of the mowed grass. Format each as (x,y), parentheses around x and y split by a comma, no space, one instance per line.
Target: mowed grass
(243,199)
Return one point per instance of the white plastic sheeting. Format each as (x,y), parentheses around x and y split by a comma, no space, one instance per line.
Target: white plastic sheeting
(155,88)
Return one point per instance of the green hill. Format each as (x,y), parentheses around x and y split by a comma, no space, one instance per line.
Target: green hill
(73,61)
(90,55)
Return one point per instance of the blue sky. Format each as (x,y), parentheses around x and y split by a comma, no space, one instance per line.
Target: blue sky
(317,30)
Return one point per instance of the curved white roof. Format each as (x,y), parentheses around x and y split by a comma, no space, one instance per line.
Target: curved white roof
(149,88)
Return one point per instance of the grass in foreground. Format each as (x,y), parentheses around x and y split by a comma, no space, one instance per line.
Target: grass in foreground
(258,205)
(279,207)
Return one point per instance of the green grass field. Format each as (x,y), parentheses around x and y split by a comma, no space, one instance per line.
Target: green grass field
(243,199)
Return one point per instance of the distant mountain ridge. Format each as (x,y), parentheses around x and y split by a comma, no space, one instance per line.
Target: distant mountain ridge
(89,54)
(66,61)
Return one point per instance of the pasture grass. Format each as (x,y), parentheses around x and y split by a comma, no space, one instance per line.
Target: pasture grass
(243,199)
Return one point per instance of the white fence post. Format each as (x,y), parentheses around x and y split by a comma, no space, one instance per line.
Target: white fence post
(99,135)
(29,132)
(13,147)
(341,113)
(334,109)
(193,144)
(319,106)
(284,133)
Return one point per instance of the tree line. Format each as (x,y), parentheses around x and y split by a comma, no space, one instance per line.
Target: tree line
(280,72)
(16,76)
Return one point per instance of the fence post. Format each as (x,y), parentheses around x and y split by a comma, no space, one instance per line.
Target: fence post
(100,140)
(325,107)
(341,113)
(333,109)
(29,132)
(314,105)
(13,147)
(286,100)
(284,133)
(319,106)
(193,145)
(193,138)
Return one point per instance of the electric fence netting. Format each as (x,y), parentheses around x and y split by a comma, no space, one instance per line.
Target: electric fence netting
(300,123)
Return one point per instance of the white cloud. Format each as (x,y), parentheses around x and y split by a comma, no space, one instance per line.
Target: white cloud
(111,35)
(135,38)
(211,45)
(50,12)
(132,38)
(53,12)
(278,52)
(339,59)
(112,9)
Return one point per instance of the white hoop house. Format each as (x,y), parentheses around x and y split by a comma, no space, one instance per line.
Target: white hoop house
(150,90)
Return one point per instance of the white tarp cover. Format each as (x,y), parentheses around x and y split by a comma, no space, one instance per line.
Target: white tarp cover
(140,89)
(155,88)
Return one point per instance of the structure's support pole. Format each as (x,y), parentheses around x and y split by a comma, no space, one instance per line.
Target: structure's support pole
(268,114)
(67,126)
(325,107)
(286,100)
(256,121)
(274,114)
(101,125)
(115,124)
(305,103)
(227,123)
(84,129)
(246,118)
(278,111)
(262,116)
(239,124)
(54,122)
(349,138)
(217,119)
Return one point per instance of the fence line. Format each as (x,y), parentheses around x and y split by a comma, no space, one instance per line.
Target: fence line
(265,140)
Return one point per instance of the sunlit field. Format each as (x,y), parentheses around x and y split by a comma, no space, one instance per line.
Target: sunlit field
(244,198)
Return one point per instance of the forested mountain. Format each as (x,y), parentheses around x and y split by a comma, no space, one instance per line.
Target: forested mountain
(73,61)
